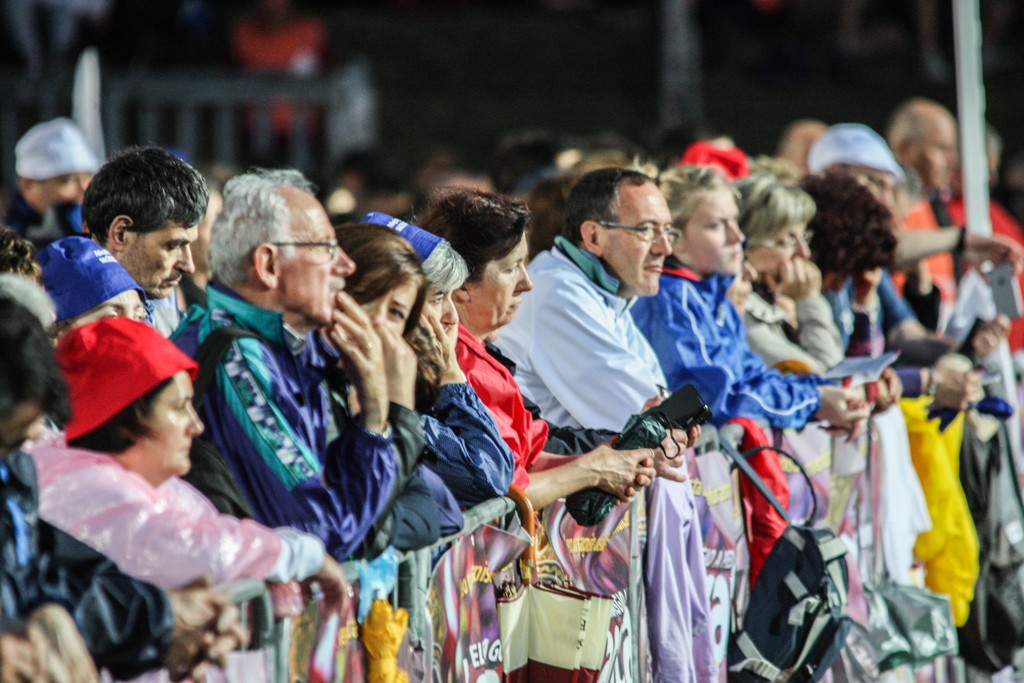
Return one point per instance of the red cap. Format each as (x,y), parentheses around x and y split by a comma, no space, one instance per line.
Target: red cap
(732,162)
(110,363)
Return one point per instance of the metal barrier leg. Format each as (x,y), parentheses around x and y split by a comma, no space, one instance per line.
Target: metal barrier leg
(636,582)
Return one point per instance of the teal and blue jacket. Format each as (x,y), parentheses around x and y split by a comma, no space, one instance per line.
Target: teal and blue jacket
(268,412)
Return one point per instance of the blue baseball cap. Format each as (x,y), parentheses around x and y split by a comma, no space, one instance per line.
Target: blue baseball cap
(79,275)
(422,241)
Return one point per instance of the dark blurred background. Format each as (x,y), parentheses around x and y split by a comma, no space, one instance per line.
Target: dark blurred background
(452,78)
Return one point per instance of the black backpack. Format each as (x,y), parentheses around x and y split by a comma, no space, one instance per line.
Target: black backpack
(994,632)
(209,473)
(796,621)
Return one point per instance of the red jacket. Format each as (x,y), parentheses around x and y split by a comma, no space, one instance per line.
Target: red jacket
(500,393)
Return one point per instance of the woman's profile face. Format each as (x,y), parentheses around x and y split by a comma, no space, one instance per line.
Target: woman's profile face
(439,305)
(490,302)
(769,257)
(172,424)
(712,242)
(392,309)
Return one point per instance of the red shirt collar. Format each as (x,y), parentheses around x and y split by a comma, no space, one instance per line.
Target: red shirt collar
(681,272)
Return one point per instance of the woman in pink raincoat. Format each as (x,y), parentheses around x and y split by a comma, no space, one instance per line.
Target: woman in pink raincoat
(113,482)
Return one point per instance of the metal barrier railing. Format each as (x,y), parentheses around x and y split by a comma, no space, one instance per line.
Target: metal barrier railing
(218,115)
(415,592)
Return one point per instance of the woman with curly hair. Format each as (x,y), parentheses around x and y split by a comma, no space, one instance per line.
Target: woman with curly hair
(853,245)
(17,256)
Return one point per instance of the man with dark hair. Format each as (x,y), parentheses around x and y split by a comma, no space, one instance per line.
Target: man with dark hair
(128,626)
(581,358)
(614,241)
(596,197)
(144,206)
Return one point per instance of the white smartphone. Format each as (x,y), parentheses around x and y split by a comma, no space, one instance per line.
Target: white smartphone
(1006,291)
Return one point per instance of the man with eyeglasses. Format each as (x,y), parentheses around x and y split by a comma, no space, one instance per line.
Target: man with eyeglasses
(143,206)
(574,331)
(580,357)
(277,273)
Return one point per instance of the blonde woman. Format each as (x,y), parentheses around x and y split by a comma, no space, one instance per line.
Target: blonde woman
(787,317)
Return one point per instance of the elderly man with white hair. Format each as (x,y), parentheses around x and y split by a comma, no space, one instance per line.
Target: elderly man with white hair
(277,275)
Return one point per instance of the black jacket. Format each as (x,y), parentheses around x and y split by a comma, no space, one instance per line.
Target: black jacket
(126,624)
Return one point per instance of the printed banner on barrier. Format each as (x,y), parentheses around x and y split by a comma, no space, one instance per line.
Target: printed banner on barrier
(812,448)
(596,560)
(713,495)
(325,648)
(463,607)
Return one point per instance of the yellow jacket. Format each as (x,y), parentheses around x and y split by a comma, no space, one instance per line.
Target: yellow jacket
(950,549)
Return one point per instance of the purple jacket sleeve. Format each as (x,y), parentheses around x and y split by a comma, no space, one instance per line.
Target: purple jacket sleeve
(268,414)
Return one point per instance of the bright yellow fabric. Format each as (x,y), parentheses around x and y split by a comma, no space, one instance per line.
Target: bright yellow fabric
(950,549)
(383,631)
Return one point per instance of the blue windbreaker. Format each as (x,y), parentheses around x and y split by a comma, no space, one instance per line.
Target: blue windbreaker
(700,339)
(472,458)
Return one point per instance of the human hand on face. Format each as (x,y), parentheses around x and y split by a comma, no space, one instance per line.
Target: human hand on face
(799,279)
(739,290)
(362,358)
(444,341)
(400,366)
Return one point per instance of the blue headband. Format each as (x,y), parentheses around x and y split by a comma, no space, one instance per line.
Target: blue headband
(422,241)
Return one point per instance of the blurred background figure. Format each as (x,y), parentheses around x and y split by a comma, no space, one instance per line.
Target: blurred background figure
(55,165)
(796,140)
(60,21)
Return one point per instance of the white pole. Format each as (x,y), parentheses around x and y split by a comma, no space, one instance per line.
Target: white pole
(85,100)
(970,94)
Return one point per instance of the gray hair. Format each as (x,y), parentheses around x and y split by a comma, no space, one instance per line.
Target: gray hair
(769,206)
(445,269)
(30,295)
(254,213)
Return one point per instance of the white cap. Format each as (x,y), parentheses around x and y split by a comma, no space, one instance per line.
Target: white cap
(854,144)
(53,148)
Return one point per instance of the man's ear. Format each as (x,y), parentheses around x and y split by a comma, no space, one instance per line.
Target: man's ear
(460,295)
(266,265)
(592,238)
(120,235)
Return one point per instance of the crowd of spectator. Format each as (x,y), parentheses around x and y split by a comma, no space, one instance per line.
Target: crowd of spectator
(206,379)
